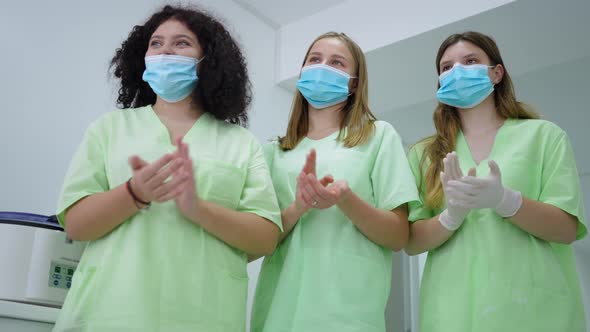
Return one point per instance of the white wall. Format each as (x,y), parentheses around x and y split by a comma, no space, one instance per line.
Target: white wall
(55,83)
(583,260)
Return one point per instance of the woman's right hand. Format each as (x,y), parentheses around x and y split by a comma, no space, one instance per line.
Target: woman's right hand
(452,218)
(291,215)
(149,181)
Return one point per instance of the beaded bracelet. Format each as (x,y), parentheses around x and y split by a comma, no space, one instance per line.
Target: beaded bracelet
(136,199)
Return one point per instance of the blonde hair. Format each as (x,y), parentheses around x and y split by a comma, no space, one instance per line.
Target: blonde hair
(448,123)
(357,120)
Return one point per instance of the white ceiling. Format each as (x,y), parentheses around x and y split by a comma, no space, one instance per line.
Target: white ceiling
(279,13)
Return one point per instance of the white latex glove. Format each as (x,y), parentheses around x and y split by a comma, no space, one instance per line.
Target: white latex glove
(479,193)
(453,216)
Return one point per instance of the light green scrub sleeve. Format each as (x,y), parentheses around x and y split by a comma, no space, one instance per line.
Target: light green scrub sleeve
(269,151)
(258,195)
(391,177)
(86,174)
(418,209)
(560,181)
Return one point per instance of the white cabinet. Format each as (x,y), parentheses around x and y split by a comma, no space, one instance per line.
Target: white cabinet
(20,317)
(18,325)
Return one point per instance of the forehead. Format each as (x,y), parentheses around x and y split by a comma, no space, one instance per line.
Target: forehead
(173,27)
(331,46)
(459,50)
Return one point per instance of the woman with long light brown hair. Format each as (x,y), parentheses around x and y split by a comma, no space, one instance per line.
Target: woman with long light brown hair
(498,238)
(343,183)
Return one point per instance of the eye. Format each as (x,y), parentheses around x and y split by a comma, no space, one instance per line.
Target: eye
(338,63)
(183,43)
(155,43)
(314,59)
(445,68)
(471,61)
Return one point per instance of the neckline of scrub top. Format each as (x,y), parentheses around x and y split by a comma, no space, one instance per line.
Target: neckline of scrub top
(309,141)
(166,134)
(323,138)
(463,148)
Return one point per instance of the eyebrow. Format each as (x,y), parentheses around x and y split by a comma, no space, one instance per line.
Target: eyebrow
(333,56)
(446,62)
(339,57)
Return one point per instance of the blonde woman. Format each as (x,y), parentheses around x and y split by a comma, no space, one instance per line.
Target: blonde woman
(343,182)
(498,239)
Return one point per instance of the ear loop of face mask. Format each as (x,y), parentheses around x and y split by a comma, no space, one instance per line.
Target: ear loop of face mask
(349,78)
(492,67)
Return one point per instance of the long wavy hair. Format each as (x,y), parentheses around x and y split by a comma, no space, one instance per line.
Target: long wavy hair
(223,87)
(357,120)
(448,123)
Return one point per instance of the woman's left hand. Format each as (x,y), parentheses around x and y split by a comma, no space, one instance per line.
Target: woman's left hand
(188,200)
(320,196)
(488,192)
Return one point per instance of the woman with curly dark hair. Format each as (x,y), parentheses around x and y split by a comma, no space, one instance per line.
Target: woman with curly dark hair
(168,242)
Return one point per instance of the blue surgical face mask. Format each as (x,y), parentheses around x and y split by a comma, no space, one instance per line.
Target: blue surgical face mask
(323,86)
(171,77)
(464,86)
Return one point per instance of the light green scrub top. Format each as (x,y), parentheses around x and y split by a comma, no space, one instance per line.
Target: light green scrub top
(326,275)
(158,271)
(490,275)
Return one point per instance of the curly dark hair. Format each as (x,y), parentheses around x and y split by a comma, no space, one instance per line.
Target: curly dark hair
(223,86)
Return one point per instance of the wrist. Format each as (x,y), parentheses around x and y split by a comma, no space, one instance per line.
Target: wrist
(200,213)
(298,211)
(451,221)
(510,203)
(139,202)
(345,198)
